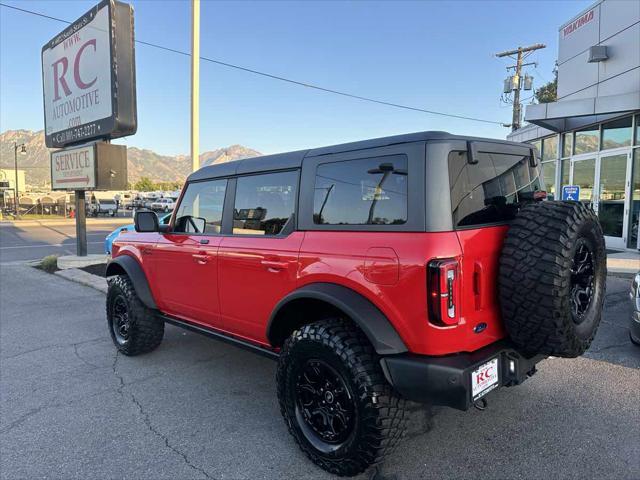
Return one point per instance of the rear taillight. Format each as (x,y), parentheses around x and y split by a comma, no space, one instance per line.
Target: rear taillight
(443,291)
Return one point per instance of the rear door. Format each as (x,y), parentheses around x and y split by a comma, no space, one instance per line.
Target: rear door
(186,258)
(258,261)
(485,196)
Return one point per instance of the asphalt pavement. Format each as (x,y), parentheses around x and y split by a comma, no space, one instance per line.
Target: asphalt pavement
(33,240)
(70,407)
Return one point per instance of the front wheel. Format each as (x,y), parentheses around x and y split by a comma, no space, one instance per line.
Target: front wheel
(134,328)
(335,399)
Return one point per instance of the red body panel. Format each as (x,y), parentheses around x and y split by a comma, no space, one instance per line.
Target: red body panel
(245,277)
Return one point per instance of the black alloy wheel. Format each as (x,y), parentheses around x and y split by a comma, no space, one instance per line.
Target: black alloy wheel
(325,407)
(582,273)
(121,323)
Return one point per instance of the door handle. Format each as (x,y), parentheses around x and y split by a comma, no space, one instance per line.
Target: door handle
(200,258)
(274,265)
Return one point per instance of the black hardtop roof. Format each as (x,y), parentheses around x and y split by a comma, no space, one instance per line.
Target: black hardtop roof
(282,161)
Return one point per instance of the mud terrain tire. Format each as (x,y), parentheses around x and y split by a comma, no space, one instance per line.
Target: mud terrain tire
(334,353)
(552,278)
(134,328)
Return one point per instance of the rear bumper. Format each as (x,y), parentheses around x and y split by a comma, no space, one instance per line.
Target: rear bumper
(447,380)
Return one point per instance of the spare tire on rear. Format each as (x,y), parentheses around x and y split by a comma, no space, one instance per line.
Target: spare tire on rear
(552,280)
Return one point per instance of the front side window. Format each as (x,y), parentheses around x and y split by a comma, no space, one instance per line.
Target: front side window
(368,191)
(264,203)
(200,210)
(491,190)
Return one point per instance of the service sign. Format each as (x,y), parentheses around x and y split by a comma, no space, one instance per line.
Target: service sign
(74,168)
(88,76)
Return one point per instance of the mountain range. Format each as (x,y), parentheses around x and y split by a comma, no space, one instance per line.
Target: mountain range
(140,162)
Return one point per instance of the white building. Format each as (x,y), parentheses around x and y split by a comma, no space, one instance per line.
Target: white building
(590,137)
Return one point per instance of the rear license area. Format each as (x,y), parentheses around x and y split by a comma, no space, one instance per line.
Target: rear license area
(484,379)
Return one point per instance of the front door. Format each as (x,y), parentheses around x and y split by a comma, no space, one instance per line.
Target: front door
(259,261)
(186,258)
(612,200)
(583,174)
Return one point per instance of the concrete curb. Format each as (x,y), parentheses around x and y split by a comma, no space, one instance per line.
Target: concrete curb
(84,278)
(73,261)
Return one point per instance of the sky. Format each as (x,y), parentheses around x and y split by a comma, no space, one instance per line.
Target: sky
(433,55)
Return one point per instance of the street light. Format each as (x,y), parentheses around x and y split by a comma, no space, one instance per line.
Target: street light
(23,151)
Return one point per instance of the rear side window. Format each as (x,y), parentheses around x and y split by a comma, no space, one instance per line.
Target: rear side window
(491,190)
(264,203)
(370,191)
(200,210)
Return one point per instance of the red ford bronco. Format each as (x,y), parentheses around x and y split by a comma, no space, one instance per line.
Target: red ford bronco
(425,267)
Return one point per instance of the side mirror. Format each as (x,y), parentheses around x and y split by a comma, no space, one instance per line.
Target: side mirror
(146,221)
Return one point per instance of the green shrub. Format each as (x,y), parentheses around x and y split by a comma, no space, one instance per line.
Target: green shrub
(49,263)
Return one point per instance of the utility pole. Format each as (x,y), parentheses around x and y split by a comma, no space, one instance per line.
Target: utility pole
(195,85)
(521,53)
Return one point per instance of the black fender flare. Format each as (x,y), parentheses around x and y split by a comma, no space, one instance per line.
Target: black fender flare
(134,271)
(375,325)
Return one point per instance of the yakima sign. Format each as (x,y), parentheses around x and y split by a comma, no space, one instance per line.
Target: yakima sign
(88,75)
(577,23)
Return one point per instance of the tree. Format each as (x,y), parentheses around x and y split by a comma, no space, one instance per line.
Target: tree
(145,185)
(548,93)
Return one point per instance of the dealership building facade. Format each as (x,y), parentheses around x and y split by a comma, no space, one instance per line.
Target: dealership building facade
(590,136)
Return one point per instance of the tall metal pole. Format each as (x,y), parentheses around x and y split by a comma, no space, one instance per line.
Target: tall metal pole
(16,204)
(516,119)
(195,84)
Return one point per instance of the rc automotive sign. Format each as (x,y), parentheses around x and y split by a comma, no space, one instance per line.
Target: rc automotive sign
(74,168)
(88,76)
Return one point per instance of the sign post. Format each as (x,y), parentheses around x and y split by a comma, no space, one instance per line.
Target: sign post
(89,91)
(571,192)
(81,224)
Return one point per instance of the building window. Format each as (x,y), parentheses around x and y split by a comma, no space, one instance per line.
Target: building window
(586,140)
(368,191)
(264,203)
(538,145)
(637,129)
(200,210)
(550,148)
(567,144)
(549,175)
(616,134)
(565,166)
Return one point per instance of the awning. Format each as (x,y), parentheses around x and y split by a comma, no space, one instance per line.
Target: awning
(572,114)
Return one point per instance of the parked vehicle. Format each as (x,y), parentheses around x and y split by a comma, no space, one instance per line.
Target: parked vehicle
(424,267)
(634,327)
(108,241)
(163,205)
(102,203)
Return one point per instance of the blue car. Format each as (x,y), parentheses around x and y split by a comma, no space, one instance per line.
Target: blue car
(108,241)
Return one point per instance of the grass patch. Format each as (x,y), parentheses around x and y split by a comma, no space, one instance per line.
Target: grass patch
(49,264)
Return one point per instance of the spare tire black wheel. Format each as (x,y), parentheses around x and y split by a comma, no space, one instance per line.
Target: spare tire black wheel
(552,280)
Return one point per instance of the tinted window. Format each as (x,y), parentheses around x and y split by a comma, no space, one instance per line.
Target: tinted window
(550,148)
(264,203)
(616,134)
(491,190)
(201,201)
(371,191)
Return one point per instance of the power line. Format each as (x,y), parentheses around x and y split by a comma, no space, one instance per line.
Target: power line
(278,77)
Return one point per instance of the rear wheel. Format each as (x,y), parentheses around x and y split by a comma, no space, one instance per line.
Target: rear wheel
(335,400)
(553,277)
(134,328)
